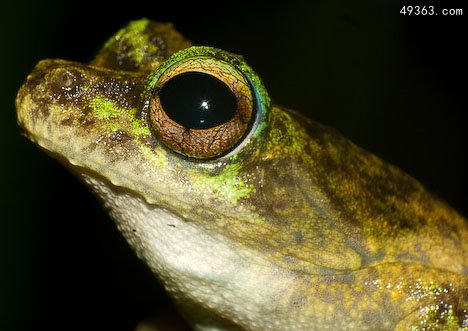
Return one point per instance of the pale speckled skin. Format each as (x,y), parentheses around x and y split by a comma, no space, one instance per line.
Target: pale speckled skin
(298,229)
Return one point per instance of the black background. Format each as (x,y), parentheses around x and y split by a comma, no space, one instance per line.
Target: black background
(393,84)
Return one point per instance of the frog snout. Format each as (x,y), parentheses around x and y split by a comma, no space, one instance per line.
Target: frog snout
(52,83)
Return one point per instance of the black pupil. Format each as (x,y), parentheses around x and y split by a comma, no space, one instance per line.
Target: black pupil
(197,100)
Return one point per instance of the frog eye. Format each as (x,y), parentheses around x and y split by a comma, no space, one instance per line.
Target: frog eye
(201,106)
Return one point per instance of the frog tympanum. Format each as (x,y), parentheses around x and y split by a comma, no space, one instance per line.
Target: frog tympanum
(251,216)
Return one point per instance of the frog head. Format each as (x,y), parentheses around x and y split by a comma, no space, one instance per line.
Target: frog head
(251,215)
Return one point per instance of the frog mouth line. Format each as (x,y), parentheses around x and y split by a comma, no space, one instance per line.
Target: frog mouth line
(78,168)
(322,271)
(167,203)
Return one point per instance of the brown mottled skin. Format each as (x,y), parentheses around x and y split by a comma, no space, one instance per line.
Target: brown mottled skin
(365,246)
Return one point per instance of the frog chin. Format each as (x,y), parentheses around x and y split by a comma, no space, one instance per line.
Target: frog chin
(193,264)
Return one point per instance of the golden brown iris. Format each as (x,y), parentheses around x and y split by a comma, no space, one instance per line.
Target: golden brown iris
(206,142)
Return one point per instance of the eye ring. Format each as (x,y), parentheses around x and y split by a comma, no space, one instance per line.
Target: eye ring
(222,135)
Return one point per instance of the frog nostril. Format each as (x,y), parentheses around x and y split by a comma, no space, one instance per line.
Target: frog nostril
(36,78)
(66,78)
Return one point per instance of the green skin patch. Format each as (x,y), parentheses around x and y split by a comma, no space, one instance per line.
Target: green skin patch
(106,109)
(133,36)
(288,137)
(367,245)
(226,183)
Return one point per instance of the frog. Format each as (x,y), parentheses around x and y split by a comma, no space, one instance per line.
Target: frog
(252,216)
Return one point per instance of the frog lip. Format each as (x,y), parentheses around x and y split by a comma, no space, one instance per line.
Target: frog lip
(81,170)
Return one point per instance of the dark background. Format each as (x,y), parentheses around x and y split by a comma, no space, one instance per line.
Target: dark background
(393,84)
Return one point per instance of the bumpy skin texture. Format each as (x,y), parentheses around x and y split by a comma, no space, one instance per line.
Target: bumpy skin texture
(297,230)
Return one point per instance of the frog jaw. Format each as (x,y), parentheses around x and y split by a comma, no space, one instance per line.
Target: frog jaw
(194,264)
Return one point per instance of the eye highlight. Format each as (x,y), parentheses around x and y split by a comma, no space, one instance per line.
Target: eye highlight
(197,100)
(202,105)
